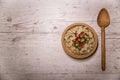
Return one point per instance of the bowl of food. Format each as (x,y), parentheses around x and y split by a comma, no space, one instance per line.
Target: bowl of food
(79,40)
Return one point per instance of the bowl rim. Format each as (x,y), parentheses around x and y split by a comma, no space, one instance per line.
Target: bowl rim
(77,56)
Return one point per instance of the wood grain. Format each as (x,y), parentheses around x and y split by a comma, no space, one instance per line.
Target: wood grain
(30,40)
(103,49)
(103,21)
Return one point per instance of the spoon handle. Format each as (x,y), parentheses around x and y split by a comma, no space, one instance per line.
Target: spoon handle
(103,55)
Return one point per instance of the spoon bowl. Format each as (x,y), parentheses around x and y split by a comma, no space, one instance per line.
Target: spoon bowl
(103,19)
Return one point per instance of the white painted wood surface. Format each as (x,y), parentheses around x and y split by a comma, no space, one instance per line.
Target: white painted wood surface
(30,40)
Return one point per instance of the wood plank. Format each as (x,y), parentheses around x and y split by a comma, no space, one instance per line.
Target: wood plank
(60,76)
(43,17)
(30,40)
(43,53)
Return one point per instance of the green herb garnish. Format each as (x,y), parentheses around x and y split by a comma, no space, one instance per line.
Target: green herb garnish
(82,40)
(77,44)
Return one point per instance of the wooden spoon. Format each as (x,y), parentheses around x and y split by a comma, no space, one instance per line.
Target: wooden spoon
(103,21)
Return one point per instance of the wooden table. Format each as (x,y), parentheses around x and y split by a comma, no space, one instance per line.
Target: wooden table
(30,40)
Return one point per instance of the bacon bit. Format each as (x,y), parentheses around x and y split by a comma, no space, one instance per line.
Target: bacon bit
(81,46)
(78,40)
(81,34)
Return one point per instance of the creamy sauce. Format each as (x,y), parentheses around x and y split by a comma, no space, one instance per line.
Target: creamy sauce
(79,39)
